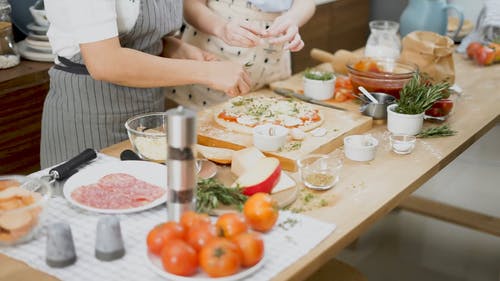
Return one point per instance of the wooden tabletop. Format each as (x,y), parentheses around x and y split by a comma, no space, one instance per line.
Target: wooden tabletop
(368,191)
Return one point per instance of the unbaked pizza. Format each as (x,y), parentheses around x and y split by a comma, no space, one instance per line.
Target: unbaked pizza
(242,114)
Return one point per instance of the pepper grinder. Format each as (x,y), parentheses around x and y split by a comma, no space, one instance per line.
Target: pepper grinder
(181,165)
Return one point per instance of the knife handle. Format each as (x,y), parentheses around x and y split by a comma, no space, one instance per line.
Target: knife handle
(69,167)
(129,155)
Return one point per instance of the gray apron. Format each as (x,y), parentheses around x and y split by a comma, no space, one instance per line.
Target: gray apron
(80,112)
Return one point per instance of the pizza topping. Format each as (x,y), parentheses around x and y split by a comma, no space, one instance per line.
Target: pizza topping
(290,122)
(247,120)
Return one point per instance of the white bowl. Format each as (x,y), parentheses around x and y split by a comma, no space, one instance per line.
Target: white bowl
(403,124)
(360,147)
(319,89)
(269,137)
(40,16)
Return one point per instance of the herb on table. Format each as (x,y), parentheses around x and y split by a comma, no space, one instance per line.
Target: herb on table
(318,75)
(210,193)
(288,223)
(440,131)
(418,95)
(291,146)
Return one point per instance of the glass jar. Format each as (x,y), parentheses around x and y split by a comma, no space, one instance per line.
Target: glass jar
(8,53)
(383,41)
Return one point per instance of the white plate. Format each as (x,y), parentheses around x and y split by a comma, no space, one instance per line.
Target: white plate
(30,54)
(39,45)
(150,172)
(38,37)
(155,264)
(37,28)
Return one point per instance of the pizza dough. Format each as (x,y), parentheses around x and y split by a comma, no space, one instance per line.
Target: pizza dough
(242,114)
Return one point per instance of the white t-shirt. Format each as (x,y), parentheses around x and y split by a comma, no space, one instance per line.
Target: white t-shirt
(73,22)
(272,6)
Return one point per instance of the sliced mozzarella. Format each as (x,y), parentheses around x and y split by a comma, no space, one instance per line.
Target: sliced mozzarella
(289,121)
(246,120)
(297,134)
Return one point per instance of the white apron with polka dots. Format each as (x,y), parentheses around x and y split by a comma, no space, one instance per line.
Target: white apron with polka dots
(267,63)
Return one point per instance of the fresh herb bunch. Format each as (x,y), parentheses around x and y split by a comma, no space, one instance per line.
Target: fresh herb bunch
(210,193)
(418,95)
(440,131)
(318,75)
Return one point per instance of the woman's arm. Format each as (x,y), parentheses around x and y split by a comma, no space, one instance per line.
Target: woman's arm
(235,33)
(106,60)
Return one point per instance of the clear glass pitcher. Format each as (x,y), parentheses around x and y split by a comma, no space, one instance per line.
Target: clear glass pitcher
(383,41)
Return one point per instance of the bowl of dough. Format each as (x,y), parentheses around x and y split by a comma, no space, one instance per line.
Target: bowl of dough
(148,135)
(23,205)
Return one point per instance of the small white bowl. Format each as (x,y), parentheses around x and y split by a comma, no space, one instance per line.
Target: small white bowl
(402,144)
(269,137)
(360,147)
(319,89)
(40,16)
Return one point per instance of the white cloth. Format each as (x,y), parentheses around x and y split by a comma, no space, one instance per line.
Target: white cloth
(73,22)
(283,245)
(272,6)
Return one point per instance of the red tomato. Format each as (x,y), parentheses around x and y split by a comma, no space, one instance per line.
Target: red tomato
(472,49)
(179,258)
(220,257)
(343,82)
(191,218)
(199,235)
(261,211)
(440,108)
(251,246)
(230,224)
(162,233)
(227,117)
(484,55)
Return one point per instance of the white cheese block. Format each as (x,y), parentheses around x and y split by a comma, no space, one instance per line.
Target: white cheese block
(244,159)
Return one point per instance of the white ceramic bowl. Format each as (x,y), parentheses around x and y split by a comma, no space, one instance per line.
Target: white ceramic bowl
(403,124)
(319,89)
(40,16)
(269,137)
(360,147)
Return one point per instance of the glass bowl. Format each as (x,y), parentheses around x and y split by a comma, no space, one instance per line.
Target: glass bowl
(390,79)
(320,171)
(148,135)
(23,204)
(402,144)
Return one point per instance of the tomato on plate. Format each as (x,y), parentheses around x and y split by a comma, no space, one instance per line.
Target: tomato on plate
(179,258)
(251,246)
(261,211)
(230,224)
(440,108)
(162,233)
(191,218)
(220,257)
(199,235)
(230,118)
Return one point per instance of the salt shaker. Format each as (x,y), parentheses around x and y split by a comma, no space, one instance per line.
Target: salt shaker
(60,251)
(181,164)
(109,242)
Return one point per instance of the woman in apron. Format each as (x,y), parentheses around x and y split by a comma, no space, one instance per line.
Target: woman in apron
(110,68)
(257,33)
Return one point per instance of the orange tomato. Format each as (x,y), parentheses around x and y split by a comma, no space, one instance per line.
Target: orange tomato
(191,218)
(162,233)
(230,224)
(179,258)
(199,235)
(220,257)
(343,82)
(261,211)
(251,246)
(230,118)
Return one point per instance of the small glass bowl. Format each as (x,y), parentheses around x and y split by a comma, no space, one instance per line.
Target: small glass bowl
(148,135)
(22,209)
(402,144)
(320,171)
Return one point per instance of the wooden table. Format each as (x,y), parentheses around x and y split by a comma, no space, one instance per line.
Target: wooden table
(368,191)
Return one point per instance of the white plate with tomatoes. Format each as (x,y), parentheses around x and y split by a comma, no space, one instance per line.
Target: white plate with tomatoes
(155,264)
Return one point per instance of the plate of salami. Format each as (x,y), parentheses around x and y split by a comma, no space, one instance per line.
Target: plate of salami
(118,187)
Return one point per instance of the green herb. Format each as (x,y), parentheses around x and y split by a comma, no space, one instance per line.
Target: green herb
(210,193)
(418,95)
(440,131)
(258,109)
(241,101)
(318,75)
(308,197)
(288,223)
(248,64)
(291,146)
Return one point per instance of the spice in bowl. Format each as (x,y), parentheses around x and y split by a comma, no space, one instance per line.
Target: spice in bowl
(320,171)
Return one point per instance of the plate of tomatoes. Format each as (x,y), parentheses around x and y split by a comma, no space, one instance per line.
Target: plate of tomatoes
(199,248)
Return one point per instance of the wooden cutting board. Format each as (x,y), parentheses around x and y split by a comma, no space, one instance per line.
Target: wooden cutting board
(338,124)
(295,83)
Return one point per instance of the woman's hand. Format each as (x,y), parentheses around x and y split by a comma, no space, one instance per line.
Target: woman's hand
(284,29)
(229,77)
(239,34)
(178,49)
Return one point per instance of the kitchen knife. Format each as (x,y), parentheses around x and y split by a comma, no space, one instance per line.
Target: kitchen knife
(291,94)
(70,167)
(128,154)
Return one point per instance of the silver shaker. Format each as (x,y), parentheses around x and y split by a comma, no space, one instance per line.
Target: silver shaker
(181,164)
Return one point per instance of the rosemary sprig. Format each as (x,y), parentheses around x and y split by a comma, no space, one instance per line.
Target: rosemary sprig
(210,193)
(318,75)
(418,95)
(440,131)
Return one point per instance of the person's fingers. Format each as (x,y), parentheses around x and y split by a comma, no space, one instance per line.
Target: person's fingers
(243,87)
(246,78)
(254,39)
(239,40)
(252,28)
(278,27)
(209,56)
(299,47)
(292,45)
(287,37)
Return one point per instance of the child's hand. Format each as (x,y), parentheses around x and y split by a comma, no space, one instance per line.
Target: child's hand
(286,30)
(240,34)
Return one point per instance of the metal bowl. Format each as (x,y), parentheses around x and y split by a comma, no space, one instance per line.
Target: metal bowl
(376,110)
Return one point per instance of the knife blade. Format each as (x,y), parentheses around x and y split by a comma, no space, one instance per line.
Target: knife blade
(291,94)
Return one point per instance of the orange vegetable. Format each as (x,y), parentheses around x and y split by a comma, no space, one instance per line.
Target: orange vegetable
(261,212)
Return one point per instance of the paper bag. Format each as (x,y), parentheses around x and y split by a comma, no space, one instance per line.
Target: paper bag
(432,53)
